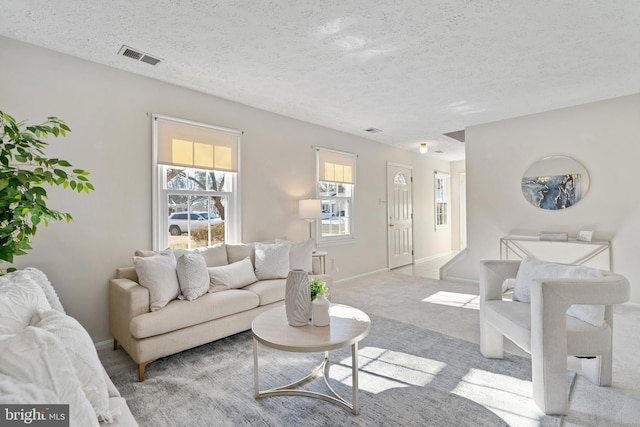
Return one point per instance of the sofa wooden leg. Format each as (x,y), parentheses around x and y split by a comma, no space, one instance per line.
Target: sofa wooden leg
(141,367)
(115,344)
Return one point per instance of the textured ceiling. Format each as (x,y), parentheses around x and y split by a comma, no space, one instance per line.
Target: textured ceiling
(415,69)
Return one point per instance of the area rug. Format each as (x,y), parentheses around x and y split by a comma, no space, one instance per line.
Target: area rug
(408,377)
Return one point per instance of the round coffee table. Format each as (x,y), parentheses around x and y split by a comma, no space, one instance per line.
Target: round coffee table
(348,326)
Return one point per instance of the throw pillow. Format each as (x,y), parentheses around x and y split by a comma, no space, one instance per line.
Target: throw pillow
(232,276)
(216,255)
(41,280)
(35,356)
(193,276)
(157,273)
(272,261)
(300,255)
(20,299)
(82,352)
(531,269)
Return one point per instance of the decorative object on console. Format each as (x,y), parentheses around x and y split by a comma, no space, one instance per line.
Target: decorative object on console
(310,209)
(320,311)
(555,182)
(298,298)
(584,236)
(558,237)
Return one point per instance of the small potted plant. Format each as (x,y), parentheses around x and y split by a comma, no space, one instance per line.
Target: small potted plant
(318,287)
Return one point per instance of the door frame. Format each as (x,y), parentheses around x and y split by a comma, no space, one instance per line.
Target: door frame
(386,213)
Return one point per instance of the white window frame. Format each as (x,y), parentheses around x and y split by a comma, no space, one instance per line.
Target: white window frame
(160,219)
(350,159)
(442,196)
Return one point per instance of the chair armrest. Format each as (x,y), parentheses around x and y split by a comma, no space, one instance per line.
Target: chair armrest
(492,275)
(610,289)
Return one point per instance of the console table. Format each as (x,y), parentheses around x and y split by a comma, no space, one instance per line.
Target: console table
(595,254)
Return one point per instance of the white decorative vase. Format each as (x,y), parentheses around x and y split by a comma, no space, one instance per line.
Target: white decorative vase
(297,298)
(320,308)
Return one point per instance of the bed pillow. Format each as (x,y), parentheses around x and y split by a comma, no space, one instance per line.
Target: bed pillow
(20,299)
(272,260)
(82,352)
(236,275)
(531,269)
(158,274)
(300,255)
(193,276)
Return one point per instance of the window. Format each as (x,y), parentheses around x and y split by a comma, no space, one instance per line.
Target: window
(196,194)
(336,191)
(442,200)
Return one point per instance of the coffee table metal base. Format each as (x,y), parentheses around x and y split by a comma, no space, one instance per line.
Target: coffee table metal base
(322,369)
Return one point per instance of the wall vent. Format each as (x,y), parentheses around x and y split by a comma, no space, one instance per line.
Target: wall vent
(372,130)
(132,53)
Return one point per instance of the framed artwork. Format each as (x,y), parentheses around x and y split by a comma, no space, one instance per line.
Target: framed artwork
(552,192)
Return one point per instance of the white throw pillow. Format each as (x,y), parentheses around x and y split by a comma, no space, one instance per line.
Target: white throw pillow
(193,276)
(41,280)
(531,269)
(239,251)
(232,276)
(20,299)
(158,274)
(82,352)
(35,356)
(300,255)
(272,261)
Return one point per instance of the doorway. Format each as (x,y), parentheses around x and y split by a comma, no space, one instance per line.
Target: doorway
(399,214)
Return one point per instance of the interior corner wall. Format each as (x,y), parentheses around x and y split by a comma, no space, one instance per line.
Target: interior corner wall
(603,136)
(458,168)
(109,111)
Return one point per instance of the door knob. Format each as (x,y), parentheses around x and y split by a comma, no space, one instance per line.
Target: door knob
(391,225)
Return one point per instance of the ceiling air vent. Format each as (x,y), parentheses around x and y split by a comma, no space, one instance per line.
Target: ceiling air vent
(132,53)
(372,130)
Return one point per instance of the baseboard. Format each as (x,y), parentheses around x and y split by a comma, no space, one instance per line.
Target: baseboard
(104,344)
(383,270)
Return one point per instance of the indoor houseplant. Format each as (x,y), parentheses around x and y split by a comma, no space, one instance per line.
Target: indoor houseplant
(24,172)
(317,287)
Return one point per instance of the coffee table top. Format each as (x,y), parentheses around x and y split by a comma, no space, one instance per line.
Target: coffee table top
(348,326)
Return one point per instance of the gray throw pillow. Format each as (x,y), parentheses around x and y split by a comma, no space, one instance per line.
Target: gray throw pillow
(157,273)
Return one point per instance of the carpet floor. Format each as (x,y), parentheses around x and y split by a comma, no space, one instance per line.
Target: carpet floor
(409,376)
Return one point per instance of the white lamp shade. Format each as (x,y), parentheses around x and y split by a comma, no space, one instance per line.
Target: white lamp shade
(310,209)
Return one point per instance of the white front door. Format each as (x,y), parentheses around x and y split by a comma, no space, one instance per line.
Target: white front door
(400,215)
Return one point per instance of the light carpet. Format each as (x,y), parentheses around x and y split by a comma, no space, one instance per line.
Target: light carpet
(409,376)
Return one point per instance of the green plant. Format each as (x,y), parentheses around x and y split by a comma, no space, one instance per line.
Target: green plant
(24,170)
(317,287)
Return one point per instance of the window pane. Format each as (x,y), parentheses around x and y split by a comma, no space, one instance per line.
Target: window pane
(336,215)
(196,221)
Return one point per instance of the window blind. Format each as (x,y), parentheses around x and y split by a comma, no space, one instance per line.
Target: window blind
(336,166)
(185,144)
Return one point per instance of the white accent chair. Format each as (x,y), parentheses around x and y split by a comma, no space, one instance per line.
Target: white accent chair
(543,328)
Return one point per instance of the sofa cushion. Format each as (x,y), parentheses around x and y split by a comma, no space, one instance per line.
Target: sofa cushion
(238,252)
(157,273)
(193,276)
(84,358)
(180,314)
(232,276)
(216,255)
(35,356)
(272,260)
(531,269)
(268,291)
(20,299)
(300,255)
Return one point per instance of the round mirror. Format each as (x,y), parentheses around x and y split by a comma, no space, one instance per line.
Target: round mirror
(555,182)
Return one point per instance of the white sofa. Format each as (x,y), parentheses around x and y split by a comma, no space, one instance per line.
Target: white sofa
(46,356)
(233,298)
(556,311)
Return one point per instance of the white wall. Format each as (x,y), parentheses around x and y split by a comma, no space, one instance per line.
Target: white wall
(108,112)
(603,136)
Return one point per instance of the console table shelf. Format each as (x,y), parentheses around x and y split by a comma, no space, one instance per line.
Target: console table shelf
(595,254)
